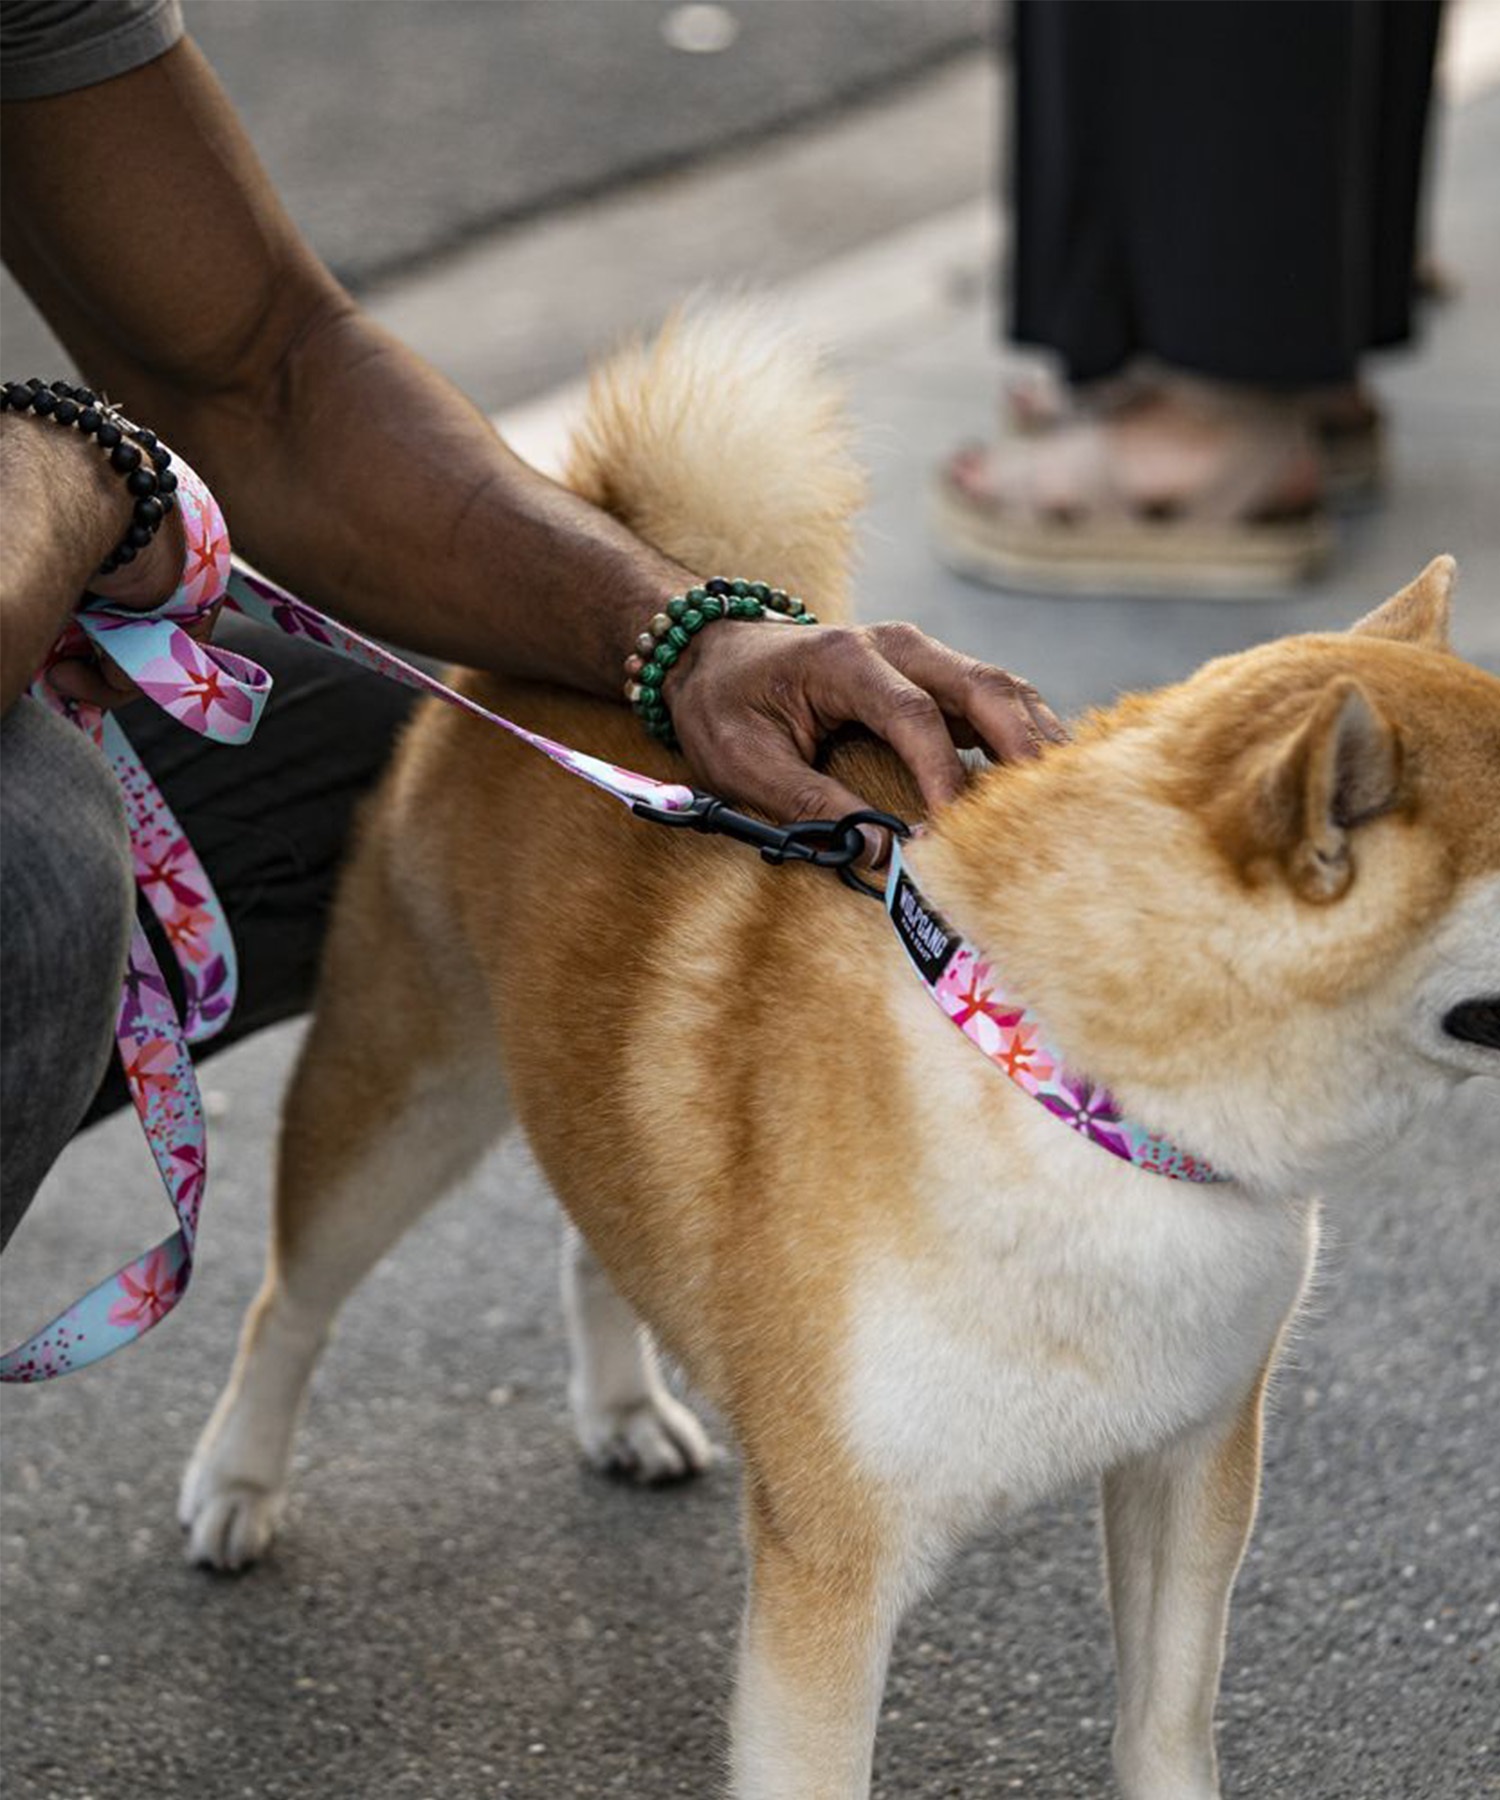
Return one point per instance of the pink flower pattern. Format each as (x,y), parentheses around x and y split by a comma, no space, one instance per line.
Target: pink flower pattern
(978,1002)
(148,1291)
(171,868)
(149,1064)
(1023,1058)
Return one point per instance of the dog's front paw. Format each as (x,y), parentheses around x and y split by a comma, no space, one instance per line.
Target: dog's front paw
(233,1493)
(1175,1769)
(651,1440)
(229,1524)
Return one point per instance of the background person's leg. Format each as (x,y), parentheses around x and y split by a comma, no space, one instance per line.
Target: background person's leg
(1229,189)
(1409,35)
(1069,261)
(67,899)
(1215,205)
(271,819)
(1278,146)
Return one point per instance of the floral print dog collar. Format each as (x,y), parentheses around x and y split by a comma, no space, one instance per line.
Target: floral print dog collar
(963,984)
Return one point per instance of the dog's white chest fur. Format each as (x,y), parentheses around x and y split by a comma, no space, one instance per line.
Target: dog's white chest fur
(1035,1336)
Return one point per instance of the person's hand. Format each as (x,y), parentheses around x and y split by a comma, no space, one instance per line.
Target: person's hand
(751,704)
(97,680)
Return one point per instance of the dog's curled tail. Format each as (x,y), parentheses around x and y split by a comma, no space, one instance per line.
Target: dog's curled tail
(725,443)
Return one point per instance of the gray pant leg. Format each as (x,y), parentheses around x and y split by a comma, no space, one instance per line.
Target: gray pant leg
(67,901)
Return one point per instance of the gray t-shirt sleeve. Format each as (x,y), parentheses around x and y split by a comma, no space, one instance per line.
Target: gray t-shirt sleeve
(54,46)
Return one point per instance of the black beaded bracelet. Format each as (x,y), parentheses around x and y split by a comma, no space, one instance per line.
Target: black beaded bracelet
(679,622)
(134,452)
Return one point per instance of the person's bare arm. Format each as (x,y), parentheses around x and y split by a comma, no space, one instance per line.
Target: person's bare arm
(64,511)
(175,277)
(139,218)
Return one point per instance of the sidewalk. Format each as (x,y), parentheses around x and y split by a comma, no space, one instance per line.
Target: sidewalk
(457,1609)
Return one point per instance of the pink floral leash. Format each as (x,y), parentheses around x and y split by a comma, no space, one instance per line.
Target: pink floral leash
(221,695)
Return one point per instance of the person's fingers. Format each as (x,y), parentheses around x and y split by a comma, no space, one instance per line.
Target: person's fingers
(1051,727)
(753,708)
(856,683)
(759,766)
(1011,718)
(86,682)
(115,677)
(1006,713)
(764,769)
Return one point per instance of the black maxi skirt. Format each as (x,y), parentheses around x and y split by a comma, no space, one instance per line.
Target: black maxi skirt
(1228,186)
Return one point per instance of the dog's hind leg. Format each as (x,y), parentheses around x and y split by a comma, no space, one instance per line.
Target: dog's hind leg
(1176,1524)
(626,1420)
(396,1095)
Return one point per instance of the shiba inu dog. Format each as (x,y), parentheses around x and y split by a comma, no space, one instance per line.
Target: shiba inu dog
(1260,908)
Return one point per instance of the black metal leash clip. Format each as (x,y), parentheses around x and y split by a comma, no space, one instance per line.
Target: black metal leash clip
(825,843)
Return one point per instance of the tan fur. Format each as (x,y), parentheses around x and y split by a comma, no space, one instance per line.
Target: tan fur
(728,426)
(1419,612)
(1202,751)
(731,1082)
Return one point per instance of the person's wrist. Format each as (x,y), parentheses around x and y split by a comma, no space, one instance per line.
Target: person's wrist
(712,653)
(132,451)
(639,601)
(155,573)
(65,474)
(671,634)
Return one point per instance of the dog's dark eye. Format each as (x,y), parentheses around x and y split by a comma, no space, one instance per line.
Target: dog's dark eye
(1476,1022)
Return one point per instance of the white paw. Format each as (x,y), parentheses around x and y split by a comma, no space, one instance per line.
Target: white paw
(232,1496)
(230,1524)
(1145,1773)
(653,1439)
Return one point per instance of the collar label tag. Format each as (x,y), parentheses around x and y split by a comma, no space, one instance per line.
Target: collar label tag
(926,935)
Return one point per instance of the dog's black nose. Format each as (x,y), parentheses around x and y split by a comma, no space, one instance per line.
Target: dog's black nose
(1475,1021)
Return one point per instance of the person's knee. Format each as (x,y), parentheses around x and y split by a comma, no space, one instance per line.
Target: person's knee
(68,886)
(102,916)
(67,906)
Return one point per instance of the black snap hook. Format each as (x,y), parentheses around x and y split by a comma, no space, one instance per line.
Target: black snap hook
(825,843)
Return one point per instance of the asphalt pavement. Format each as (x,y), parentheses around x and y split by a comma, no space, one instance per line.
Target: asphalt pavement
(398,131)
(457,1608)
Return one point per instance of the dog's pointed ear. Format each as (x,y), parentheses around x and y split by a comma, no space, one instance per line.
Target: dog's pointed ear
(1335,771)
(1419,613)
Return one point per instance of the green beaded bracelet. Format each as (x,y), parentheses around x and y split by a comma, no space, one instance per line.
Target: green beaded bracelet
(673,629)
